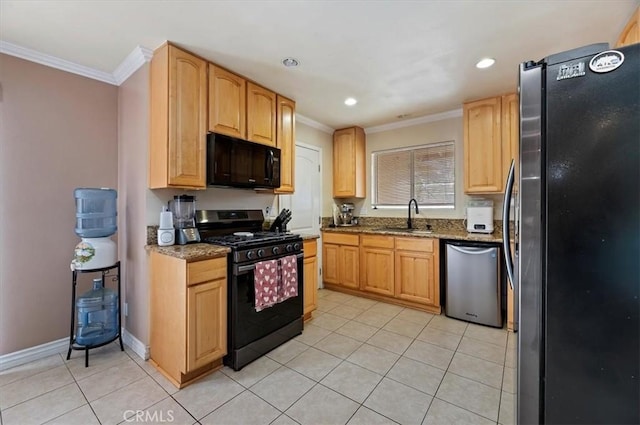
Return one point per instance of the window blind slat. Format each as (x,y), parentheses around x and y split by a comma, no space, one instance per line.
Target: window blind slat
(426,173)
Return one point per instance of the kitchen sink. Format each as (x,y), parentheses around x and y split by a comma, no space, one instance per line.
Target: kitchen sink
(404,230)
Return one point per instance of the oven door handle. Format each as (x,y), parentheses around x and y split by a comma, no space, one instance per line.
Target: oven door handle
(248,267)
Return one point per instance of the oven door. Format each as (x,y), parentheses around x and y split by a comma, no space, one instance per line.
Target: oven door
(246,325)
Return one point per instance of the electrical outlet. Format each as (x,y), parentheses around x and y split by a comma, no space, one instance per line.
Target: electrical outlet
(267,211)
(126,309)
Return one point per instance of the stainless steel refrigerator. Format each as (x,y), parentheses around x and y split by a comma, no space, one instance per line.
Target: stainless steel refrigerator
(577,218)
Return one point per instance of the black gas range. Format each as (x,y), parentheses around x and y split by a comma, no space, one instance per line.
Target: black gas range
(253,333)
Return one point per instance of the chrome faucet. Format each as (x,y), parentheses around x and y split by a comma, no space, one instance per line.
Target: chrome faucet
(417,212)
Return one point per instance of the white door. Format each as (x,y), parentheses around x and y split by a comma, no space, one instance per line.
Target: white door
(305,203)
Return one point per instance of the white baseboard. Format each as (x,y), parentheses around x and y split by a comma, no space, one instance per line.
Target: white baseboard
(137,346)
(30,354)
(17,358)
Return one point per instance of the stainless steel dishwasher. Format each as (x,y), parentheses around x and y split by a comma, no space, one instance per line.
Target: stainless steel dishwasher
(472,282)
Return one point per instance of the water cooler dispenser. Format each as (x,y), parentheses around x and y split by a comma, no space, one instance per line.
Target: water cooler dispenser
(95,317)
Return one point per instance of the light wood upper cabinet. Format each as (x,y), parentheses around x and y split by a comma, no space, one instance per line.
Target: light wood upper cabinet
(349,162)
(188,316)
(261,115)
(482,146)
(631,32)
(491,140)
(178,119)
(227,102)
(286,142)
(510,135)
(310,248)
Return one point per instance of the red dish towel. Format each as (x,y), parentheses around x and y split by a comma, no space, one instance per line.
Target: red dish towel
(288,277)
(266,285)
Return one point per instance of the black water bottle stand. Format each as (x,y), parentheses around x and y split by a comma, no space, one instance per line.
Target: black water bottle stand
(111,273)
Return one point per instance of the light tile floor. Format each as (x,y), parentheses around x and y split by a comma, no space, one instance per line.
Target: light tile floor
(357,362)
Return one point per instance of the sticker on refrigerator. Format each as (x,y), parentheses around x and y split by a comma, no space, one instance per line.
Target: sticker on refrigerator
(571,70)
(606,61)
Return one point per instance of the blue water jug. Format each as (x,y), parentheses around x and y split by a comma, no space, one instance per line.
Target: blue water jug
(96,212)
(97,315)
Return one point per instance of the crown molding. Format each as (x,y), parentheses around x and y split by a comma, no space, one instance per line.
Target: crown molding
(54,62)
(456,113)
(138,57)
(315,124)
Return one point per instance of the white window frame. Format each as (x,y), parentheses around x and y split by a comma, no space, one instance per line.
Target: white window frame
(375,205)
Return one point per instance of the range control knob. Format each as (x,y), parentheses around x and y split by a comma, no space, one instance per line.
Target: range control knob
(250,255)
(296,246)
(275,250)
(289,247)
(260,253)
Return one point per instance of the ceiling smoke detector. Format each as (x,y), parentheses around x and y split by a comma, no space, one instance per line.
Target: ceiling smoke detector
(290,62)
(485,63)
(350,101)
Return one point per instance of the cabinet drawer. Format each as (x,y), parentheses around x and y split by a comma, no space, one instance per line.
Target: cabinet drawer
(377,241)
(414,244)
(341,238)
(310,248)
(207,270)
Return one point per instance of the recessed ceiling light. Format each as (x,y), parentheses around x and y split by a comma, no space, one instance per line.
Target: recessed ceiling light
(350,101)
(290,62)
(485,63)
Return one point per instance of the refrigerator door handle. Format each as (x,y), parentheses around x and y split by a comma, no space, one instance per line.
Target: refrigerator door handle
(505,223)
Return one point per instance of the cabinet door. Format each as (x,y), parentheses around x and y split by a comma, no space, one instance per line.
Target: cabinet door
(330,260)
(286,142)
(348,267)
(227,102)
(510,134)
(416,277)
(349,163)
(631,32)
(310,284)
(377,271)
(511,301)
(206,323)
(187,119)
(482,146)
(261,115)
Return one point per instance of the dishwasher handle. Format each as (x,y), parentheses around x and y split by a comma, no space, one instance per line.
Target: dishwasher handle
(471,250)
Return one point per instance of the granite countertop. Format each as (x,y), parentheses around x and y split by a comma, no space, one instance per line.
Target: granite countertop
(191,252)
(306,236)
(455,234)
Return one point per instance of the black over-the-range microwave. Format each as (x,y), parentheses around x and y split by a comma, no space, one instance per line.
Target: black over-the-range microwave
(235,162)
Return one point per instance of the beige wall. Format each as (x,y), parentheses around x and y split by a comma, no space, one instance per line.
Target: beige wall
(133,136)
(433,132)
(58,131)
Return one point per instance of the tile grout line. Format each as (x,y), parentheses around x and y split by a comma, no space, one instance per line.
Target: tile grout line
(81,392)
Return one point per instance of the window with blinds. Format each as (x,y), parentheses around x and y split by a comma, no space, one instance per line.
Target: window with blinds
(425,173)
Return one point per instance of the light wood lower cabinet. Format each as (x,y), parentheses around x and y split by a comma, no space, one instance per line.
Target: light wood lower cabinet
(417,277)
(511,301)
(188,316)
(400,270)
(310,248)
(340,260)
(377,264)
